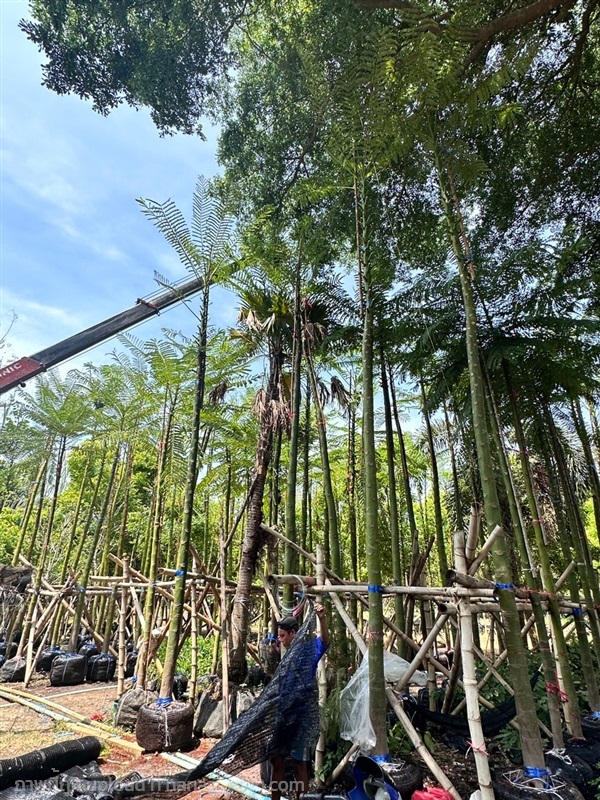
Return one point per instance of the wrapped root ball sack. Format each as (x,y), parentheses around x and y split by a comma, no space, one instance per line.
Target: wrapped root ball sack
(129,706)
(68,670)
(88,649)
(180,684)
(13,670)
(164,726)
(46,658)
(101,667)
(8,651)
(131,663)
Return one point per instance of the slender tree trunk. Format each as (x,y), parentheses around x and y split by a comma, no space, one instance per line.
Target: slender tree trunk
(291,557)
(87,570)
(170,665)
(155,530)
(40,479)
(351,500)
(60,458)
(304,525)
(435,490)
(393,501)
(253,539)
(377,696)
(531,580)
(333,541)
(533,753)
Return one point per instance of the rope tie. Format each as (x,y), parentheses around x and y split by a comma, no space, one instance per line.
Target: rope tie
(375,635)
(168,737)
(322,421)
(480,748)
(554,688)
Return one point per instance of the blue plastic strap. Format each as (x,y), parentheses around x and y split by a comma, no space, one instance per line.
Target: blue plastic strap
(164,701)
(133,678)
(577,611)
(376,590)
(179,573)
(505,586)
(537,772)
(381,759)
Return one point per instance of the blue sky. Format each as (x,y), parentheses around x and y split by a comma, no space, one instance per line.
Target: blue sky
(74,246)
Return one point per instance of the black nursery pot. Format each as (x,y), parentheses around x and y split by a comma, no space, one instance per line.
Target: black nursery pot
(164,727)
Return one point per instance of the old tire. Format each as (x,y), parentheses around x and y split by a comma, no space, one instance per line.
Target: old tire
(164,727)
(405,777)
(579,772)
(587,750)
(505,788)
(591,726)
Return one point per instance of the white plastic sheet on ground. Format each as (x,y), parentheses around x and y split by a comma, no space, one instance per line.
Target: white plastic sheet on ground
(355,722)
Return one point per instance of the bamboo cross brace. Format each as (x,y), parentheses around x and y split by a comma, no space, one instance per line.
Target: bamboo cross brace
(274,608)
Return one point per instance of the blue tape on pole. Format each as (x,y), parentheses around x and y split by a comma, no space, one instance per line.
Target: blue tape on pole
(577,611)
(179,573)
(537,772)
(505,585)
(133,678)
(376,590)
(163,701)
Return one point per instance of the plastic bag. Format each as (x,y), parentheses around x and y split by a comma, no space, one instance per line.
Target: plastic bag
(355,722)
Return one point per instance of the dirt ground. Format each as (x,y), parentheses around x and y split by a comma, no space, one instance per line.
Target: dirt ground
(23,730)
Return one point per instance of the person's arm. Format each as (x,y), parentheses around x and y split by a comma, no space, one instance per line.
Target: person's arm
(324,630)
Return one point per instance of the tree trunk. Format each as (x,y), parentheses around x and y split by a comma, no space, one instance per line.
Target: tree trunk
(533,753)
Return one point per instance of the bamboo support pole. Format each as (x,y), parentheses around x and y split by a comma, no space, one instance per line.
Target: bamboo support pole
(485,549)
(29,661)
(321,678)
(224,633)
(422,652)
(473,533)
(271,599)
(193,644)
(84,622)
(480,753)
(122,658)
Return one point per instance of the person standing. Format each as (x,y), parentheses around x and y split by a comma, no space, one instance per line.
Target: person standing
(297,694)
